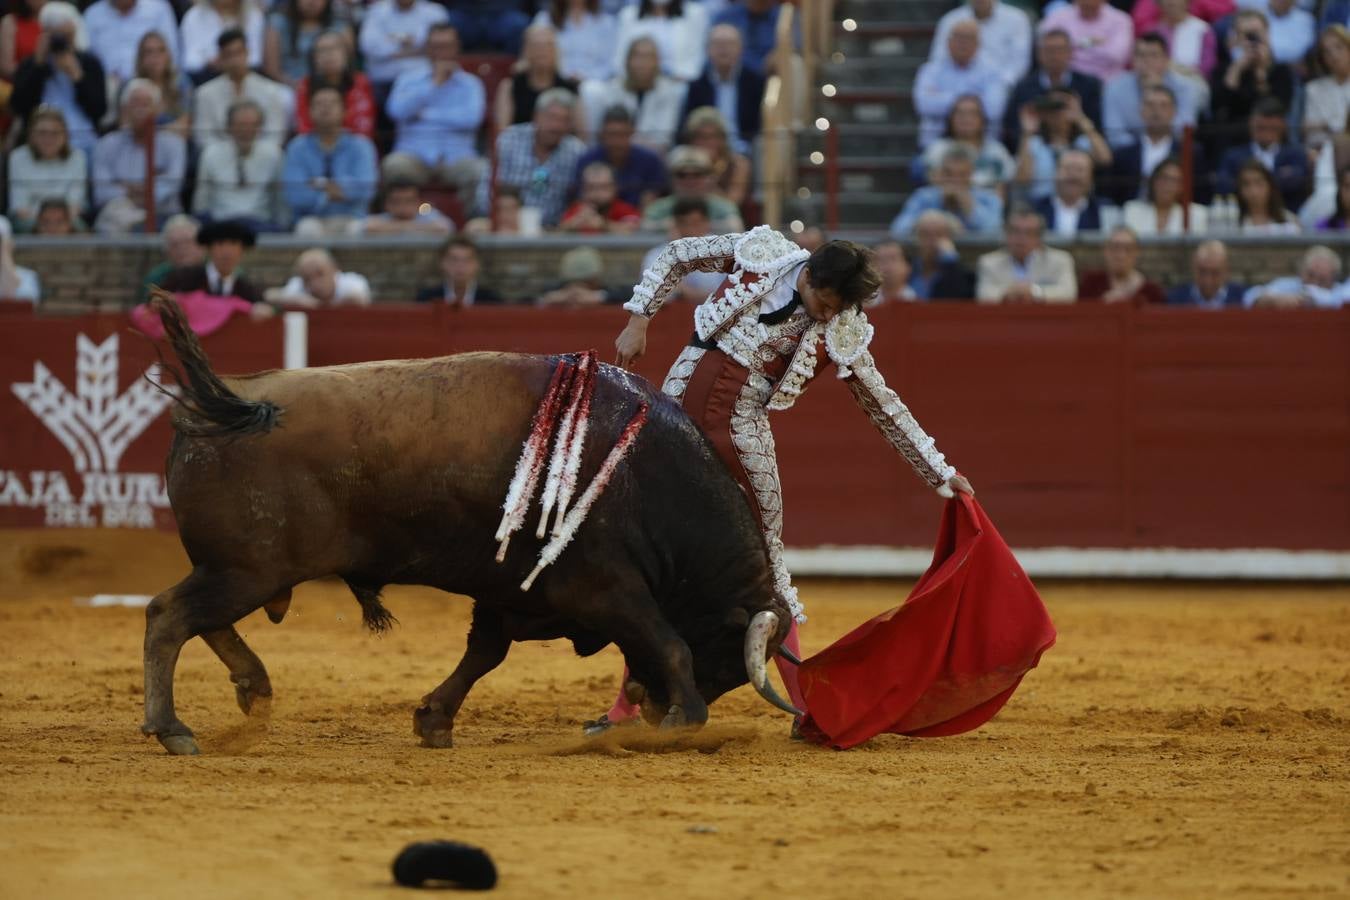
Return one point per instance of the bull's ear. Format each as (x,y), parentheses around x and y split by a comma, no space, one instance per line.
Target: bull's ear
(738,617)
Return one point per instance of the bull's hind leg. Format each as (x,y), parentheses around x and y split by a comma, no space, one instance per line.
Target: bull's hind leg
(488,643)
(201,604)
(252,687)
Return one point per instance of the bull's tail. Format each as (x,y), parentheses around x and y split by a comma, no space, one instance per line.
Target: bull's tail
(216,410)
(377,618)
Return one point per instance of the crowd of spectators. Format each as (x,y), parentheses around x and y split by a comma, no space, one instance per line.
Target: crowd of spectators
(1253,79)
(395,117)
(1026,270)
(1209,117)
(307,115)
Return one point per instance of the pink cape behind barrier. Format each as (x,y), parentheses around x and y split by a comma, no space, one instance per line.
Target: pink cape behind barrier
(206,314)
(943,662)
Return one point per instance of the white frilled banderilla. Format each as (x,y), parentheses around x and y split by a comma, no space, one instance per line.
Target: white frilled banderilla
(562,419)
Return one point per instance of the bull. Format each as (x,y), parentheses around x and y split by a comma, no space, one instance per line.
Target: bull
(394,473)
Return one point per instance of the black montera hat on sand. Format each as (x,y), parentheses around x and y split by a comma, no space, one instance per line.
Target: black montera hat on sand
(227,230)
(445,862)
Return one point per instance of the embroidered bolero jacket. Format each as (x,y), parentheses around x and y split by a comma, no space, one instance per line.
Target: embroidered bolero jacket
(754,262)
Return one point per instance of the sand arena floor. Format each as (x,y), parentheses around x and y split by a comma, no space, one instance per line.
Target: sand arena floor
(1179,741)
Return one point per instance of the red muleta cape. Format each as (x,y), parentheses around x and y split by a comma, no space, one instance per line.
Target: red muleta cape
(943,662)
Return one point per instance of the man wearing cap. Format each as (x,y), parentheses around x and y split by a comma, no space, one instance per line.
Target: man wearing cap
(582,273)
(692,176)
(779,318)
(219,276)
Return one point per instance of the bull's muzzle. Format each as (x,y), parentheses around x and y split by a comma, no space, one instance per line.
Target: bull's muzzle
(762,627)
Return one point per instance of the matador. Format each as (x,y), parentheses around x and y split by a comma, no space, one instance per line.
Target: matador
(779,318)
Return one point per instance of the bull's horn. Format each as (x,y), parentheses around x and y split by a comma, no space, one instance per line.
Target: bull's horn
(757,635)
(787,654)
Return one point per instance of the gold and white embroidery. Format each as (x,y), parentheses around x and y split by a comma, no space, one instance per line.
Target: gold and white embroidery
(677,379)
(764,251)
(896,423)
(735,307)
(846,338)
(800,371)
(697,254)
(754,445)
(761,255)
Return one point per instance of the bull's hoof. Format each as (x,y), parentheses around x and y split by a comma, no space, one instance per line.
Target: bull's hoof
(439,740)
(253,702)
(179,744)
(434,727)
(634,692)
(675,718)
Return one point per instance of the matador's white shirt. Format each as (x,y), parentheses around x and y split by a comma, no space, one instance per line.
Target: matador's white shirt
(762,267)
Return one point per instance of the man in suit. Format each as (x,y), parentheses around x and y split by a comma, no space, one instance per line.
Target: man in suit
(220,276)
(1054,52)
(736,91)
(1289,165)
(1209,287)
(937,272)
(460,287)
(1133,163)
(1072,208)
(1026,271)
(1123,96)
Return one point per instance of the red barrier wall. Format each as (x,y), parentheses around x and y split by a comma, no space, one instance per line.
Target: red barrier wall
(82,436)
(1084,426)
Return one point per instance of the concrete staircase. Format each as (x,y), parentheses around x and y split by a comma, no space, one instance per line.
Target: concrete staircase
(872,72)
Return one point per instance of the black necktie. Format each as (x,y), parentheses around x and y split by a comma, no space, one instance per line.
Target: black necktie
(781,315)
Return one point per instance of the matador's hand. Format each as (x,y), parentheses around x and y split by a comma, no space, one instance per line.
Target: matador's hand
(959,483)
(631,342)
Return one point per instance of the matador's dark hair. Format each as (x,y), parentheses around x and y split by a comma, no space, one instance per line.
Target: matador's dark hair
(845,268)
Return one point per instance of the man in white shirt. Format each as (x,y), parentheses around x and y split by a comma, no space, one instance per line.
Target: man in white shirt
(212,101)
(318,283)
(239,178)
(1292,30)
(1317,284)
(1005,37)
(16,282)
(116,28)
(392,37)
(939,83)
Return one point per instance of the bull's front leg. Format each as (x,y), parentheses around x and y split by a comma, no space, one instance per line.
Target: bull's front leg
(488,643)
(659,650)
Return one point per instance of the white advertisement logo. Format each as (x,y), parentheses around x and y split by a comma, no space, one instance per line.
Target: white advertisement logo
(95,424)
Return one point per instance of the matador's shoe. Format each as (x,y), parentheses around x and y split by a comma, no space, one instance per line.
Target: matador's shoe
(605,723)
